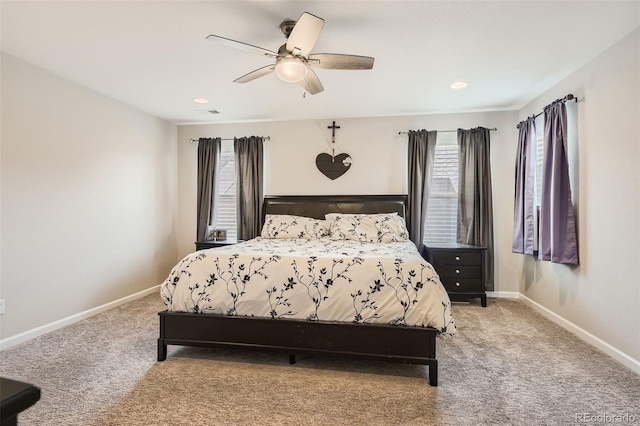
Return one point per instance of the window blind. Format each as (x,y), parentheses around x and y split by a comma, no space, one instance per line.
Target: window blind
(442,207)
(226,209)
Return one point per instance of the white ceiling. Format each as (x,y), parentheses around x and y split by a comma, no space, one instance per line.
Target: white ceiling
(153,54)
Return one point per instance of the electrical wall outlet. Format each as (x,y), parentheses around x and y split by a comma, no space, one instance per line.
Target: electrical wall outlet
(1,306)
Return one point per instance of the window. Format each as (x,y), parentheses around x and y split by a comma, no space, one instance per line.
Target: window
(226,206)
(539,151)
(442,207)
(572,159)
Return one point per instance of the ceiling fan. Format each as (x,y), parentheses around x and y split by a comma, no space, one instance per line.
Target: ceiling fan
(293,61)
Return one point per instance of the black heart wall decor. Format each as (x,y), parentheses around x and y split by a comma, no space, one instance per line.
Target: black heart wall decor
(333,167)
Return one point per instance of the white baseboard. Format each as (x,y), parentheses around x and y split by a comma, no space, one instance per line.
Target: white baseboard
(503,294)
(39,331)
(583,334)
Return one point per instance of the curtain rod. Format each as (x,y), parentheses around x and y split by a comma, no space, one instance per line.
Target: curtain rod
(266,138)
(446,131)
(569,97)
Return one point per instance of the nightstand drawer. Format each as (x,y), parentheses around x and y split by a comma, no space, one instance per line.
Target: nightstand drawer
(462,271)
(457,258)
(461,285)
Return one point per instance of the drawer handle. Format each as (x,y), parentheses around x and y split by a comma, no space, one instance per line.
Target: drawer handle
(457,271)
(457,284)
(457,257)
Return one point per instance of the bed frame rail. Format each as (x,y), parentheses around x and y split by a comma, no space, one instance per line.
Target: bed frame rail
(412,345)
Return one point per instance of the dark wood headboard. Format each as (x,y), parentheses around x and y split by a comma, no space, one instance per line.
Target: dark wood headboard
(317,206)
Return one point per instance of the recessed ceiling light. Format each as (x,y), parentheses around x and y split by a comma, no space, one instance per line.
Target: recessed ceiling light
(459,84)
(200,100)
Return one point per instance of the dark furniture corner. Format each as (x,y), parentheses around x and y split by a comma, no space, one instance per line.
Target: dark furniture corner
(203,245)
(15,397)
(461,270)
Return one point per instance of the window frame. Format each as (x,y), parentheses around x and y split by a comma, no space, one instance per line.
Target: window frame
(226,193)
(446,145)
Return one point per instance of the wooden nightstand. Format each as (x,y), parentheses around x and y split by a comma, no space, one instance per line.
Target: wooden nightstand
(461,269)
(201,245)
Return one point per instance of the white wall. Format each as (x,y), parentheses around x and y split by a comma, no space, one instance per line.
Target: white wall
(602,295)
(379,165)
(88,198)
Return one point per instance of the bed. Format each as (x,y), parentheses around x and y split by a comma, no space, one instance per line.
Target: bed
(313,286)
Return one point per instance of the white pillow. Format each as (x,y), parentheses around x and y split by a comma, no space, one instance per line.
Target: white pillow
(370,228)
(288,226)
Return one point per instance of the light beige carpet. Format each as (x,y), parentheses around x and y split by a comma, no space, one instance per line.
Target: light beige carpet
(506,366)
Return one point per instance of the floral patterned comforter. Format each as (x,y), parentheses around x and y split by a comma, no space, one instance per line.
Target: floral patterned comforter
(313,279)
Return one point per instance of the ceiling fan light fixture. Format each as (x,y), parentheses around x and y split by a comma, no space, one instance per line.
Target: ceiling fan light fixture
(291,69)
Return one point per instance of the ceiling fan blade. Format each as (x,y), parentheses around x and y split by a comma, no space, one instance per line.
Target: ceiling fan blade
(242,46)
(311,83)
(304,34)
(337,61)
(260,72)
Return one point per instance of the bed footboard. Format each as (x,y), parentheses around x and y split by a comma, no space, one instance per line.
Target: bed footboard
(413,345)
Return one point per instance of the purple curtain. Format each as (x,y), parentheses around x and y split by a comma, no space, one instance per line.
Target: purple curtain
(422,148)
(208,171)
(523,206)
(558,242)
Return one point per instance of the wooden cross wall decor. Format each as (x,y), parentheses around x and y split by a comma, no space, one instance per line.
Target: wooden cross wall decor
(333,128)
(327,164)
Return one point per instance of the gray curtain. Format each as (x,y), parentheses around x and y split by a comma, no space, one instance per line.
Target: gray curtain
(524,202)
(422,146)
(557,242)
(475,210)
(249,165)
(208,171)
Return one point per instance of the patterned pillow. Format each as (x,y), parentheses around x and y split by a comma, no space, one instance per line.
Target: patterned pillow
(288,226)
(370,228)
